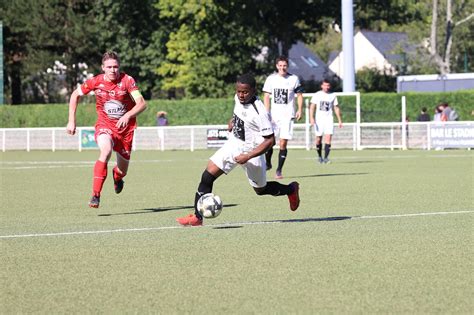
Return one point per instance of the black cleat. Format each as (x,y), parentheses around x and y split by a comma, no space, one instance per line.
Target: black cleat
(118,186)
(94,203)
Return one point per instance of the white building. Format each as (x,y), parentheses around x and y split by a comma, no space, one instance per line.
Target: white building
(375,50)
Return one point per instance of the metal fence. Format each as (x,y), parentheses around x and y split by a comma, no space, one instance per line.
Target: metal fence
(396,135)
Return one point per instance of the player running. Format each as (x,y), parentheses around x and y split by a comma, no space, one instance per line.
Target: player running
(118,102)
(251,135)
(280,89)
(322,105)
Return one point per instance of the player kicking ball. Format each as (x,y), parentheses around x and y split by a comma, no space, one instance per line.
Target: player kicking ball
(118,102)
(251,135)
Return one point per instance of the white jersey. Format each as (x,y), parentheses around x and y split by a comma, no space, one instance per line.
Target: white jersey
(283,91)
(251,122)
(325,103)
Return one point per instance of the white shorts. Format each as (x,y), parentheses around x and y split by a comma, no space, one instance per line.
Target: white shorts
(283,127)
(323,127)
(254,168)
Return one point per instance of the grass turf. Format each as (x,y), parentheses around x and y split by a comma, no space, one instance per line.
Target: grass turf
(352,246)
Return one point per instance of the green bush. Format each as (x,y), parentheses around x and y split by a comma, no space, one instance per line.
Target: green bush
(375,107)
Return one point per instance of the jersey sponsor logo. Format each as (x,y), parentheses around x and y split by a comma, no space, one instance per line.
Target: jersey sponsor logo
(238,129)
(114,109)
(280,96)
(325,106)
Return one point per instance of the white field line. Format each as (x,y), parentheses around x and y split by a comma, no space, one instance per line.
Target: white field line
(392,157)
(236,224)
(24,165)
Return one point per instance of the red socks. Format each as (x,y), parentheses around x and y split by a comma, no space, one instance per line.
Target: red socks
(100,174)
(118,175)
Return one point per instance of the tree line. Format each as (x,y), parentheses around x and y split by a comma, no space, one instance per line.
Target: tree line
(196,48)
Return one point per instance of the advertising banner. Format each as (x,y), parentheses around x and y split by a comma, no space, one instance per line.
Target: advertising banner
(452,136)
(216,137)
(87,139)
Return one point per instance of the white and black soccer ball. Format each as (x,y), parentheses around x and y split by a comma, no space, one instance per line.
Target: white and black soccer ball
(209,205)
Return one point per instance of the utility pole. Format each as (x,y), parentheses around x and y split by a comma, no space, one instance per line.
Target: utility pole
(1,64)
(348,80)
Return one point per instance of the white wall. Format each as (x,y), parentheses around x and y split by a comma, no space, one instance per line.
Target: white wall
(365,56)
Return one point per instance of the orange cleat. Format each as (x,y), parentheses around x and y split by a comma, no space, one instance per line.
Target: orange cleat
(294,197)
(190,220)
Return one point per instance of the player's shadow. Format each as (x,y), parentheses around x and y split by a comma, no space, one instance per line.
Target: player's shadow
(160,209)
(360,162)
(302,220)
(340,218)
(327,175)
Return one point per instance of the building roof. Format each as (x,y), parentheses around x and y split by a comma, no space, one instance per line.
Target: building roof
(333,55)
(387,43)
(305,64)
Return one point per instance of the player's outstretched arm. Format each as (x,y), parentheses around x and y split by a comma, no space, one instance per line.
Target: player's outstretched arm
(73,101)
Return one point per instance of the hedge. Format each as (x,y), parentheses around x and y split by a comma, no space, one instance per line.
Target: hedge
(375,107)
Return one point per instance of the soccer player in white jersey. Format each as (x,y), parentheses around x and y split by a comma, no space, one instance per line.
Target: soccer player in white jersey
(280,89)
(251,135)
(322,106)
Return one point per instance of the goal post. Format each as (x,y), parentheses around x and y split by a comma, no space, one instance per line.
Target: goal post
(385,135)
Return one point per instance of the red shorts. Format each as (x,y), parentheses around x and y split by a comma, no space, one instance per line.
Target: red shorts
(122,142)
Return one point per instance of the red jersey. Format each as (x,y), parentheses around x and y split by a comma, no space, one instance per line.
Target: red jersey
(113,99)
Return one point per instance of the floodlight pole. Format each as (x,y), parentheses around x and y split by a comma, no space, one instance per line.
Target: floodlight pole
(348,81)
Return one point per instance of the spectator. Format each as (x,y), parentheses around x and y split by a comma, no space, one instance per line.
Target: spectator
(423,116)
(448,113)
(161,119)
(437,114)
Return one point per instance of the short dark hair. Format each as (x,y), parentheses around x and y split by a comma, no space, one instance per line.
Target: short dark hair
(110,55)
(247,78)
(325,81)
(281,58)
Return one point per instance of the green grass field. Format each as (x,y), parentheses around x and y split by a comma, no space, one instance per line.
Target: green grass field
(376,232)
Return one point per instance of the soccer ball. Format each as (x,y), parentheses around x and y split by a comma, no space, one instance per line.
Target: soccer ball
(209,206)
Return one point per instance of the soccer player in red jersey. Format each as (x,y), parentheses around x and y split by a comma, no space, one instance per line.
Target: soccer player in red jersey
(118,102)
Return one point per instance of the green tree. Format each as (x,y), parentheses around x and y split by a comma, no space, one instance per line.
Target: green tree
(51,31)
(210,45)
(213,41)
(371,80)
(133,29)
(16,35)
